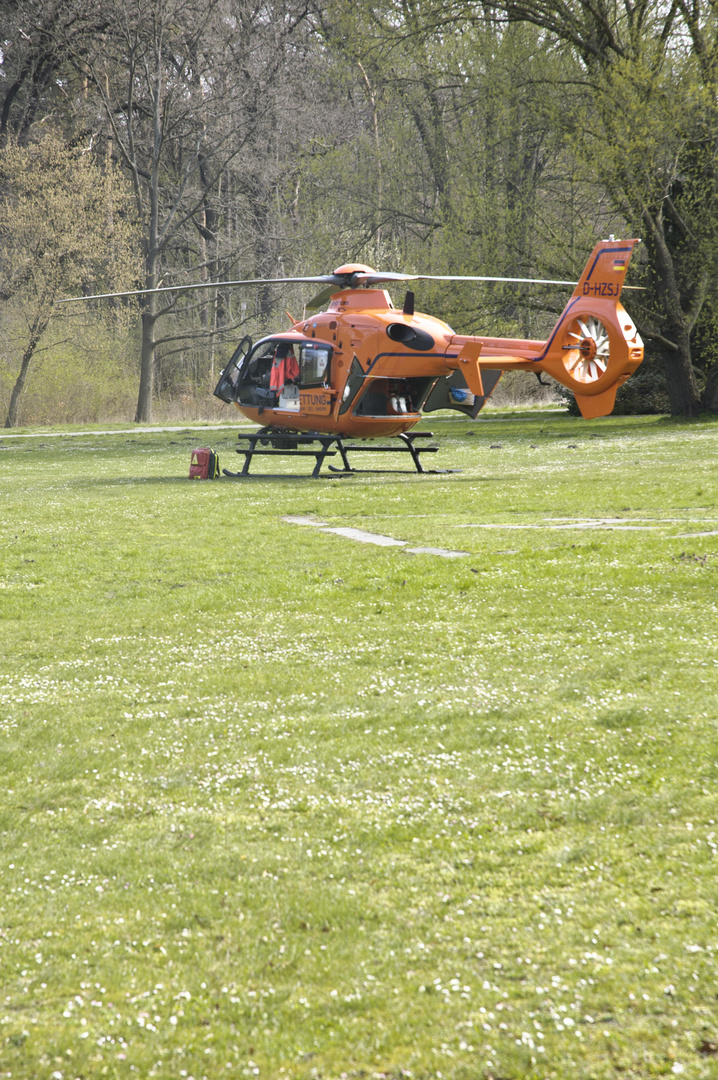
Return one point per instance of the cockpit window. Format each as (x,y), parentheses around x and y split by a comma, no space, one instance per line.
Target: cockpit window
(314,362)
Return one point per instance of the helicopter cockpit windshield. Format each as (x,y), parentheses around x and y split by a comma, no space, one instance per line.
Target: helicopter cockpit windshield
(270,374)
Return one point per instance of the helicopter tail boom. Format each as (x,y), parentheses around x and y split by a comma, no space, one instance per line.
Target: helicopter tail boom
(593,348)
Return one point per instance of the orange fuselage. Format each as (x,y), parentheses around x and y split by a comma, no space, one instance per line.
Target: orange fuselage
(380,368)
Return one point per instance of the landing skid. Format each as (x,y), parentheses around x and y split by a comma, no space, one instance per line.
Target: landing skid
(276,442)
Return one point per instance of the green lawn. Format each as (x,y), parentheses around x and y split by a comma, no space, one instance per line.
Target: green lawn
(279,803)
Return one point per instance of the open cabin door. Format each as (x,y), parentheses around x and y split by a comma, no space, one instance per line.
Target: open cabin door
(449,391)
(227,389)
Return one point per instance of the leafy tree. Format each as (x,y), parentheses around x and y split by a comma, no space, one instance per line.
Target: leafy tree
(642,111)
(62,220)
(458,164)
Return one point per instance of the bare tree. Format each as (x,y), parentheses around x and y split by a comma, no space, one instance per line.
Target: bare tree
(39,81)
(180,83)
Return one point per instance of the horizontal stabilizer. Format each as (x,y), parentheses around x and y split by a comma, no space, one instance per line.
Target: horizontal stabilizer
(468,365)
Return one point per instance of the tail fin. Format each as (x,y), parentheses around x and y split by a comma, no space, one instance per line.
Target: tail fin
(595,345)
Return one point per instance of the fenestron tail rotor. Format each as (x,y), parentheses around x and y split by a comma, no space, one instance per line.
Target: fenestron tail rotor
(587,349)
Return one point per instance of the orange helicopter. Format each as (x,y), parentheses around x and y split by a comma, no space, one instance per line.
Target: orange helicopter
(363,368)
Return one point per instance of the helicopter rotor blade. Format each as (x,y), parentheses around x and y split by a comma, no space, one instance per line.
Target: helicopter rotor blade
(375,279)
(378,278)
(321,298)
(333,282)
(320,279)
(359,278)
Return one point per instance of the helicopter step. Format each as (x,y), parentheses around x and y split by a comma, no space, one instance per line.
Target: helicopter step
(276,442)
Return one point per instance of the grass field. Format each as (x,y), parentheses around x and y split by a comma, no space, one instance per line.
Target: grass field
(283,804)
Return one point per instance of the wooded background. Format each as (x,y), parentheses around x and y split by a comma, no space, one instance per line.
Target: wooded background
(162,142)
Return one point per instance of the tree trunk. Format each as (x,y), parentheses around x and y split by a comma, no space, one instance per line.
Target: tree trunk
(683,392)
(710,392)
(149,301)
(147,370)
(38,329)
